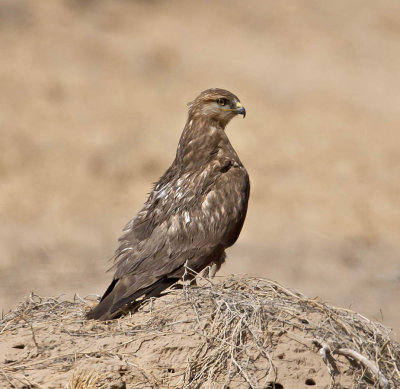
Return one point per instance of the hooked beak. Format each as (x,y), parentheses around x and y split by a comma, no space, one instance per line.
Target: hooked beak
(240,110)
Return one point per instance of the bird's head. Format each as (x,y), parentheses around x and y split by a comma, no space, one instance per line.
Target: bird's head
(217,105)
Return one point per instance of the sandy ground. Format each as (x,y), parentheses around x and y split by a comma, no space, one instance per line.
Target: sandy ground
(93,100)
(236,333)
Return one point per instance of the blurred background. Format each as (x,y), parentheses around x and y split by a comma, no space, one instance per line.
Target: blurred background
(93,101)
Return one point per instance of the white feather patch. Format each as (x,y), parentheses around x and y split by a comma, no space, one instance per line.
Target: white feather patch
(187,217)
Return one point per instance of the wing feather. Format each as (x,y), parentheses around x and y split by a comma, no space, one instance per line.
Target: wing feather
(168,226)
(195,211)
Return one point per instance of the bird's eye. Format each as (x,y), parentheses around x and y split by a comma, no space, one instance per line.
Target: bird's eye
(221,101)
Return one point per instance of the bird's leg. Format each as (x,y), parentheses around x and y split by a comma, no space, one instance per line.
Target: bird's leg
(213,269)
(206,272)
(209,271)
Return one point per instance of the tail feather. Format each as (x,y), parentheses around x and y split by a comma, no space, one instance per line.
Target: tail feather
(113,304)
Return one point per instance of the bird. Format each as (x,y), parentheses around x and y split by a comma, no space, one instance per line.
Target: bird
(195,211)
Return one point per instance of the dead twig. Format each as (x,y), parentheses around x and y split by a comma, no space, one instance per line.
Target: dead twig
(383,382)
(326,354)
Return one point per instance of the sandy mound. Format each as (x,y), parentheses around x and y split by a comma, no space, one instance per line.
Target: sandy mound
(235,333)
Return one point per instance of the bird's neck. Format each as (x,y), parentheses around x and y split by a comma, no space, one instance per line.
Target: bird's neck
(200,141)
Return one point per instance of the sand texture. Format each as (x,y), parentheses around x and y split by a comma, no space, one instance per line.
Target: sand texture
(236,333)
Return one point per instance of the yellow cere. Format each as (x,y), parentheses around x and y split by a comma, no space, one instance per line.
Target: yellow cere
(238,105)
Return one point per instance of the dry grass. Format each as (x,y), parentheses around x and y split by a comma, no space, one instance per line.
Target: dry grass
(86,380)
(235,329)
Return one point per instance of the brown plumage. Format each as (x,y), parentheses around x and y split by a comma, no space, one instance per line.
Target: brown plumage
(195,211)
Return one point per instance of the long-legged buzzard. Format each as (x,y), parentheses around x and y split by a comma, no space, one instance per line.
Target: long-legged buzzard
(195,211)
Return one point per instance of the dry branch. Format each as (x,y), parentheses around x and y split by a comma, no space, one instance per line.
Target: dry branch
(384,383)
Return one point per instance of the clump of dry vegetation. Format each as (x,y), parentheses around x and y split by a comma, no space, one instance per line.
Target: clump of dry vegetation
(87,380)
(237,332)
